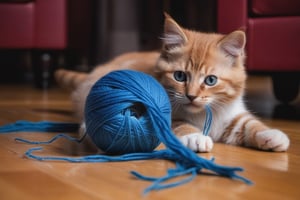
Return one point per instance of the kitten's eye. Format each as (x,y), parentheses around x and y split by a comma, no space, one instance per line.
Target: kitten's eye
(180,76)
(210,80)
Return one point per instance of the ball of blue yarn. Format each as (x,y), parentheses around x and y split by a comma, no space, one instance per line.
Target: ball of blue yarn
(120,112)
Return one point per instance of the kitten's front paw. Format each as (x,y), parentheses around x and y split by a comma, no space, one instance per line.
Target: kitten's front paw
(197,142)
(272,139)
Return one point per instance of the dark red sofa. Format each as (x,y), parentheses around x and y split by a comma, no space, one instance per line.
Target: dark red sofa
(46,28)
(33,24)
(273,39)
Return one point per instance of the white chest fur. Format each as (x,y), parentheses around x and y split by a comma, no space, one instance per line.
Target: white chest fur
(222,117)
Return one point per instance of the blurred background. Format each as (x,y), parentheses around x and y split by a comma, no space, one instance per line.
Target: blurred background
(39,36)
(91,32)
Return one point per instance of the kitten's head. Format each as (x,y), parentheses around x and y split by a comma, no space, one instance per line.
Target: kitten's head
(201,68)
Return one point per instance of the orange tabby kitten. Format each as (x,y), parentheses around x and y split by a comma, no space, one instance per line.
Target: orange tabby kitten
(195,69)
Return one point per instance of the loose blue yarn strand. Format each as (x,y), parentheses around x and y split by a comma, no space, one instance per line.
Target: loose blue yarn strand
(53,139)
(158,183)
(42,126)
(208,120)
(128,87)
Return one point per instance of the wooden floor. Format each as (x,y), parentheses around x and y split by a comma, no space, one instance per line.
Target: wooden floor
(275,175)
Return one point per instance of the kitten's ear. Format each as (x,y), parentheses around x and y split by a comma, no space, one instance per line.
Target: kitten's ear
(173,34)
(233,44)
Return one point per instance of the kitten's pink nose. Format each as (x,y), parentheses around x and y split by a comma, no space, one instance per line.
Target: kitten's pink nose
(191,97)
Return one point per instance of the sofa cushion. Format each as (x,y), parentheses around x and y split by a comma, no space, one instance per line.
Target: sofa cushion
(274,7)
(273,45)
(17,25)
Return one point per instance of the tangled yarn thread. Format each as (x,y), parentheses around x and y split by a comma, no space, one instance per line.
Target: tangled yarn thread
(128,114)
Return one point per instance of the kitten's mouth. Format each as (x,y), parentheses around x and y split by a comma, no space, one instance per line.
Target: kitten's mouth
(192,107)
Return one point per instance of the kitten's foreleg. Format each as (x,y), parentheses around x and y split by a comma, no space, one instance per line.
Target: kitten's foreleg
(248,131)
(265,138)
(192,137)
